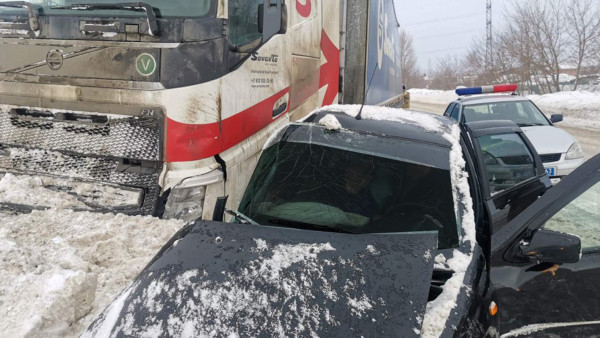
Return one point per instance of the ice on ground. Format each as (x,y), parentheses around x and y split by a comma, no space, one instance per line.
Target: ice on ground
(442,97)
(60,268)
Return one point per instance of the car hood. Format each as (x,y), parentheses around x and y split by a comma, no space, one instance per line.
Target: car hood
(549,139)
(229,279)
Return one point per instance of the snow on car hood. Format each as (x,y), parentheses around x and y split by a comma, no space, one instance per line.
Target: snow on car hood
(549,139)
(222,279)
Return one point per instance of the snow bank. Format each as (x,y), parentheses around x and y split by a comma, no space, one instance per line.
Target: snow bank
(580,109)
(442,97)
(60,268)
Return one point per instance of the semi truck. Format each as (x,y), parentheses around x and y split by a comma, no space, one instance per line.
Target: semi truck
(158,108)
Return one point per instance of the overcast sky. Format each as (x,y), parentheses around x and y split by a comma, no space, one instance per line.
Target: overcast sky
(442,28)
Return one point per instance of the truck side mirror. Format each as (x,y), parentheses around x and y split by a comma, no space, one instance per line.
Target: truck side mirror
(270,18)
(548,246)
(556,118)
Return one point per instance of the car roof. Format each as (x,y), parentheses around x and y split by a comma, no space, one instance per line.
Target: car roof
(479,99)
(393,128)
(478,128)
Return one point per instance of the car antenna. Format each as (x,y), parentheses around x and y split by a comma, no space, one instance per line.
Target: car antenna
(359,115)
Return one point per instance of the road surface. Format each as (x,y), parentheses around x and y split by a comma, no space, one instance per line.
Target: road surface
(589,140)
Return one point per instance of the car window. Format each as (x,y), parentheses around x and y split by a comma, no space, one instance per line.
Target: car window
(449,109)
(507,159)
(523,113)
(581,217)
(455,112)
(243,21)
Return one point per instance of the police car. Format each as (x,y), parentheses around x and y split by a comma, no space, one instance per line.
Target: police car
(560,152)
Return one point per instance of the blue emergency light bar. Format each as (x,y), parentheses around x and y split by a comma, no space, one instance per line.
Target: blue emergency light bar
(486,89)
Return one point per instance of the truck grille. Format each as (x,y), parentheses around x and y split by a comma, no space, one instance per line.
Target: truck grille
(546,158)
(95,149)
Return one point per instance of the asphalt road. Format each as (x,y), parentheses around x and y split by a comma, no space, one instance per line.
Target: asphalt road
(589,140)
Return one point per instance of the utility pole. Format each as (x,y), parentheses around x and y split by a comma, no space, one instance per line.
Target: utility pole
(488,45)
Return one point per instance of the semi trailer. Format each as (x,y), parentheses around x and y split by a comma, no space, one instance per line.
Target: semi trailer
(158,108)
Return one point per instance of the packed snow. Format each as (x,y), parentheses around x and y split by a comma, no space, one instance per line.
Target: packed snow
(60,268)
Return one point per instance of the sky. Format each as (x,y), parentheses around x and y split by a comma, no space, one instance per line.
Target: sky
(443,28)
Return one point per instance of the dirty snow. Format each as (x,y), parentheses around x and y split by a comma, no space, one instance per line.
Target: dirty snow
(61,268)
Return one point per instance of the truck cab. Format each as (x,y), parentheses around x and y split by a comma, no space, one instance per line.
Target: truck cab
(159,108)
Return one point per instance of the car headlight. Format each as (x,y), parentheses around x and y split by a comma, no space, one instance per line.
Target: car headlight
(186,199)
(574,152)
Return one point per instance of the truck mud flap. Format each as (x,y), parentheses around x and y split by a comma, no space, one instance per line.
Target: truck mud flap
(98,162)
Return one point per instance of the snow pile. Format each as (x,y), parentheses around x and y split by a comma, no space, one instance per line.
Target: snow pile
(580,109)
(29,190)
(330,122)
(60,268)
(440,308)
(441,97)
(427,121)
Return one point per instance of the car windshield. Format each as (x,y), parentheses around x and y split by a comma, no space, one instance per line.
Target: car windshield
(524,113)
(320,187)
(162,8)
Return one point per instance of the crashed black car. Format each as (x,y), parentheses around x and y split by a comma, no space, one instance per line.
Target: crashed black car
(389,225)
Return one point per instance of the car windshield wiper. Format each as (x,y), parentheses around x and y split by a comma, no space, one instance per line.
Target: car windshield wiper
(240,217)
(529,124)
(306,226)
(128,6)
(31,8)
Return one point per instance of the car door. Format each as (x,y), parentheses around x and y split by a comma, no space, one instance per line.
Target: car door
(535,294)
(512,174)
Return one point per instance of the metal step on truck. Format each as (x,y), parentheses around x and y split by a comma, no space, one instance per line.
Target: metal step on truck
(158,108)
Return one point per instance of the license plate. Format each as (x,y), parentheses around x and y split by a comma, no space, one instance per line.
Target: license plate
(550,171)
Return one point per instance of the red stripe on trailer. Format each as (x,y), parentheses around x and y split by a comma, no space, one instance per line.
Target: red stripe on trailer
(330,71)
(505,88)
(191,142)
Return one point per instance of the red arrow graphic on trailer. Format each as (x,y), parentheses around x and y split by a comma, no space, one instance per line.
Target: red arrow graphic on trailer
(330,70)
(304,10)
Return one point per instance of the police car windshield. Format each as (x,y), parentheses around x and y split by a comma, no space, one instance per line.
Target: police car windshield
(523,113)
(316,187)
(162,8)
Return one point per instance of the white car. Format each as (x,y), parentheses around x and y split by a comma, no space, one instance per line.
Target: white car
(560,152)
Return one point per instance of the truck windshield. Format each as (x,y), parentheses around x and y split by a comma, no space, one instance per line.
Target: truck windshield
(316,187)
(523,113)
(162,8)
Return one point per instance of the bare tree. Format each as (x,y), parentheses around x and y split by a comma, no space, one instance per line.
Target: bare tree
(583,20)
(410,71)
(447,74)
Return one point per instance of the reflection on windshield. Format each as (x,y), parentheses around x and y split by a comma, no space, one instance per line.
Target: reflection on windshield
(316,187)
(181,8)
(524,113)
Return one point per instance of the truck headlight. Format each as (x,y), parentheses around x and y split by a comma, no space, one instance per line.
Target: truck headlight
(186,199)
(574,152)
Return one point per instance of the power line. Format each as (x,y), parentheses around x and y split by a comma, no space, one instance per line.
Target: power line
(441,50)
(444,35)
(443,19)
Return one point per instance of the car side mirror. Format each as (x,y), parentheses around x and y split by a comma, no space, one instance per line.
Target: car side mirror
(270,18)
(556,118)
(547,246)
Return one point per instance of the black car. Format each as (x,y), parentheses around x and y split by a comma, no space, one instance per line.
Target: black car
(361,227)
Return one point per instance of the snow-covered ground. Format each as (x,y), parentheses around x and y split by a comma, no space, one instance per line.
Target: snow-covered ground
(60,268)
(580,109)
